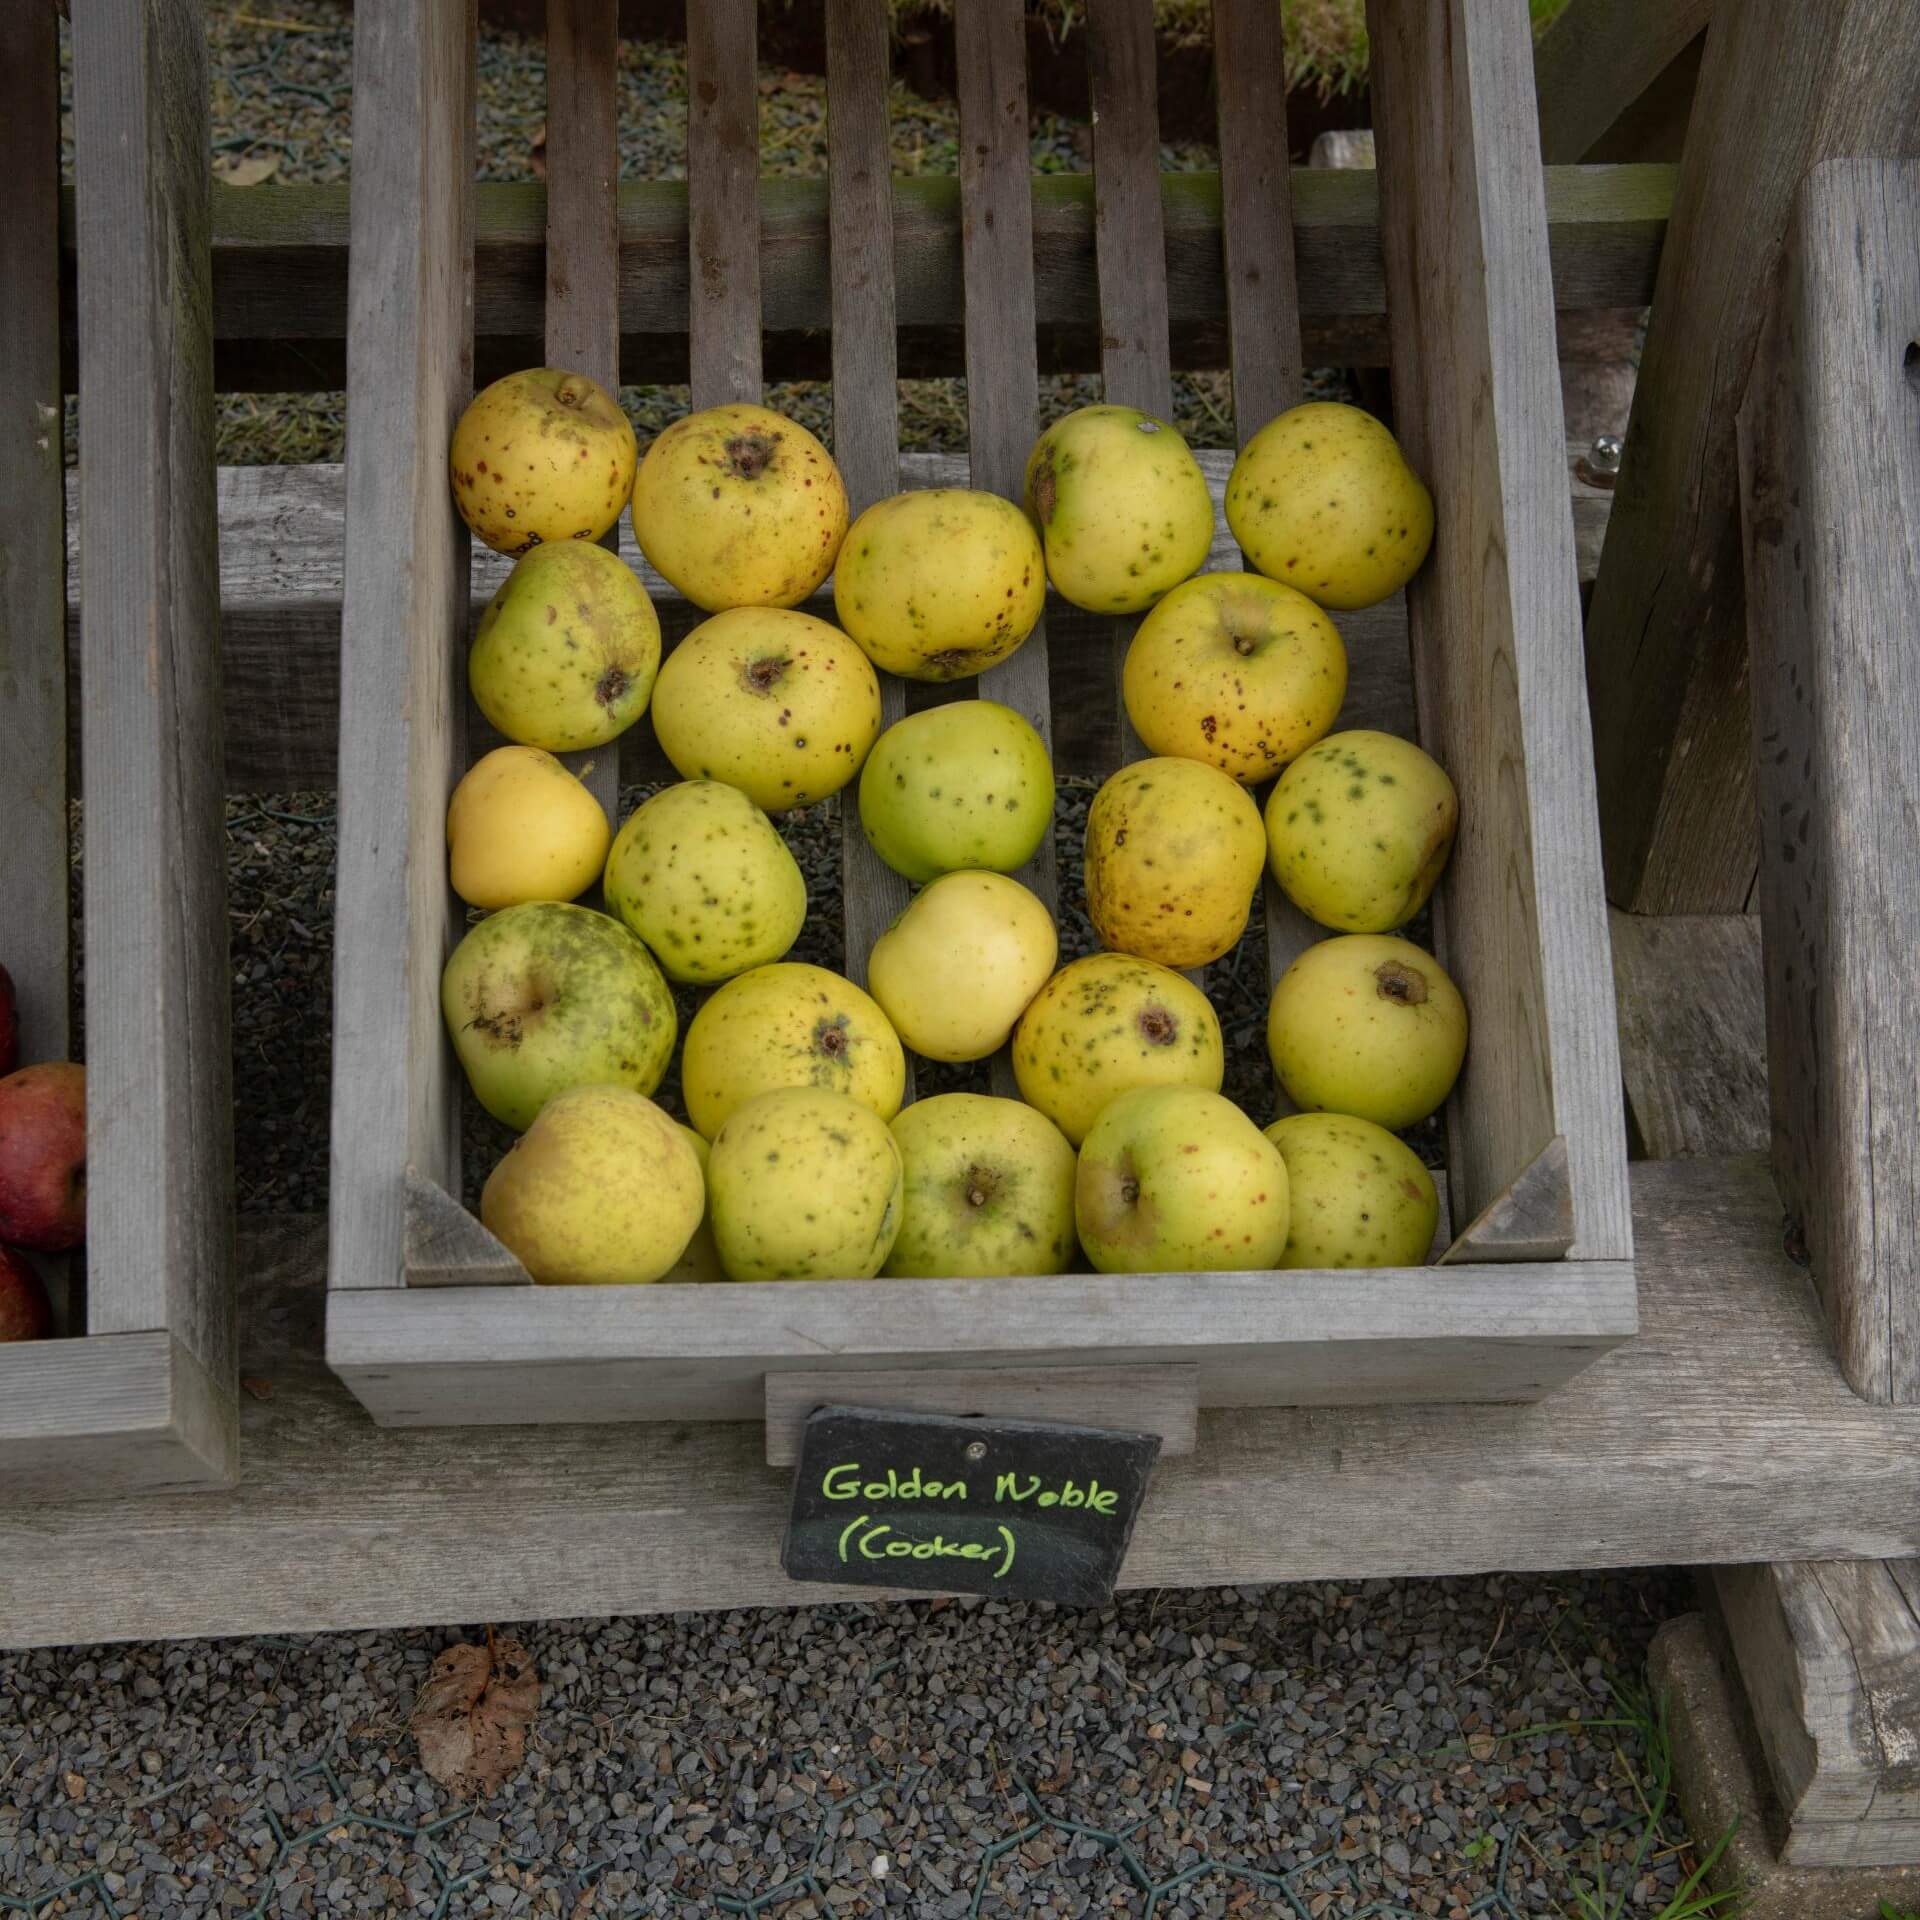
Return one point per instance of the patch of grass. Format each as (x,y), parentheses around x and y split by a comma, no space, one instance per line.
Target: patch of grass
(1888,1911)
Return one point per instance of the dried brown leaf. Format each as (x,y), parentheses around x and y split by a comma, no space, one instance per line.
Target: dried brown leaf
(537,151)
(471,1718)
(250,171)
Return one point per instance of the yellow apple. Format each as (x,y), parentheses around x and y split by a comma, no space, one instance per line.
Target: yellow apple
(739,506)
(521,827)
(1179,1180)
(989,1190)
(771,701)
(940,584)
(1235,670)
(567,649)
(1361,1197)
(1108,1023)
(958,966)
(602,1190)
(1122,507)
(1174,852)
(541,455)
(699,873)
(1369,1025)
(1358,830)
(789,1025)
(1323,498)
(804,1184)
(700,1264)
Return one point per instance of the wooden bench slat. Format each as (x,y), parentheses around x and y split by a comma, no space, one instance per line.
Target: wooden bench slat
(866,411)
(404,619)
(723,202)
(1003,378)
(159,1120)
(583,239)
(33,637)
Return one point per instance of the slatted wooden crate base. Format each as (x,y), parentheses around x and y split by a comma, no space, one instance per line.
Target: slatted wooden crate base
(429,1321)
(139,1387)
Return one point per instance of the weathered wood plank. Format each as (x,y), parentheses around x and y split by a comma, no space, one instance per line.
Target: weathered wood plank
(723,221)
(128,1413)
(1476,1333)
(1722,1432)
(1256,213)
(1495,613)
(446,1246)
(1831,470)
(866,411)
(1693,1042)
(1598,59)
(1781,87)
(1531,1220)
(1160,1400)
(403,623)
(583,237)
(1829,1654)
(159,1108)
(33,640)
(280,293)
(1003,381)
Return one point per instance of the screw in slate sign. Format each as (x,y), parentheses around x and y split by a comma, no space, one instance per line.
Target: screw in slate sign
(976,1449)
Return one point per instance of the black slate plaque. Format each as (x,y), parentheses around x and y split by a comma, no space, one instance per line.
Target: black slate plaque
(1009,1507)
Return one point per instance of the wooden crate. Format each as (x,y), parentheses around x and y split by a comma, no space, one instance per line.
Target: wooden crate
(1540,1281)
(141,1390)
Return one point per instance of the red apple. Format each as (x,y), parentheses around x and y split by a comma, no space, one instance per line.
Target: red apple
(43,1157)
(9,1024)
(25,1312)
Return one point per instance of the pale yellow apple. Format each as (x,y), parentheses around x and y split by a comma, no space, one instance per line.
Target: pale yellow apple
(958,966)
(1235,670)
(739,506)
(700,874)
(566,652)
(1358,830)
(602,1190)
(541,455)
(1107,1023)
(989,1190)
(1179,1180)
(1173,860)
(771,701)
(1122,507)
(1369,1025)
(521,827)
(1361,1197)
(940,583)
(700,1264)
(789,1025)
(804,1184)
(1323,498)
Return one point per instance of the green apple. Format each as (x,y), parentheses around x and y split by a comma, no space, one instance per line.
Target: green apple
(989,1190)
(804,1184)
(1361,1197)
(1122,507)
(1179,1180)
(1370,1025)
(703,877)
(546,996)
(960,962)
(602,1190)
(964,785)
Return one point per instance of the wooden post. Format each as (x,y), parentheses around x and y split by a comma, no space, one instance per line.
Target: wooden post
(33,626)
(403,627)
(1830,461)
(159,1102)
(1783,85)
(583,241)
(1599,61)
(723,202)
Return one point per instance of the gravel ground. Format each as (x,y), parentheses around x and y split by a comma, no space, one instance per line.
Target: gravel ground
(1413,1748)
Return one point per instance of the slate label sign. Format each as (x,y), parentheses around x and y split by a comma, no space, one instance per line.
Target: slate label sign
(1008,1507)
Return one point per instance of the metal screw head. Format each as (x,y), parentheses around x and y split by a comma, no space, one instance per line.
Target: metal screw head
(1600,465)
(976,1449)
